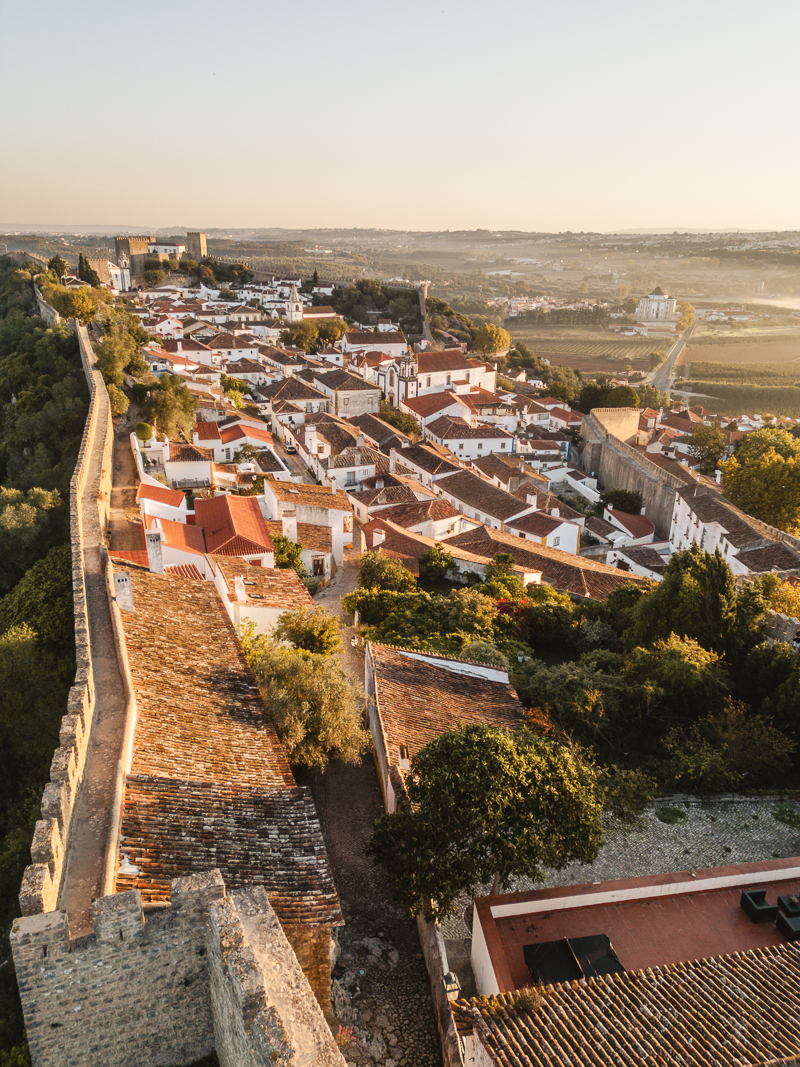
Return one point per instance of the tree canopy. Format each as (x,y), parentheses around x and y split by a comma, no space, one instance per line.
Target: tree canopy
(382,572)
(311,629)
(316,707)
(766,486)
(486,805)
(707,444)
(491,338)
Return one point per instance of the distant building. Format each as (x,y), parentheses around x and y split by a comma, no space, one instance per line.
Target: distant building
(657,305)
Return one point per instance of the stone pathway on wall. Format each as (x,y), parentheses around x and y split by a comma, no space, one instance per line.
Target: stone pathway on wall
(125,523)
(83,878)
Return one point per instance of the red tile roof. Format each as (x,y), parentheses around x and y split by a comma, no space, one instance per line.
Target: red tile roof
(207,431)
(173,497)
(238,433)
(233,525)
(185,570)
(209,785)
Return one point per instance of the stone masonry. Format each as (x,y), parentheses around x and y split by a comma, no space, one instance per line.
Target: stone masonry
(169,986)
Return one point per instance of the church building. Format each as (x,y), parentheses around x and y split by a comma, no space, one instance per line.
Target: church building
(657,306)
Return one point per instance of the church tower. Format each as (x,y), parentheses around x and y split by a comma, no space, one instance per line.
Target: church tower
(294,307)
(407,373)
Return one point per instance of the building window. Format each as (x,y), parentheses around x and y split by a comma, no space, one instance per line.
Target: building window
(428,382)
(556,542)
(350,478)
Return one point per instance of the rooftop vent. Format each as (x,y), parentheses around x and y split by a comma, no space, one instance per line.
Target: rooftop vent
(405,761)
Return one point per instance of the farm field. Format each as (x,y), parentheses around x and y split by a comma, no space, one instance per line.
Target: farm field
(590,351)
(780,350)
(747,388)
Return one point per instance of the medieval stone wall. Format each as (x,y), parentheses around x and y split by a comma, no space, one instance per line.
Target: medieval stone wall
(90,492)
(618,465)
(170,985)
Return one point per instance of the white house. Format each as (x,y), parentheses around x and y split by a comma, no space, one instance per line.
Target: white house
(468,442)
(259,595)
(318,505)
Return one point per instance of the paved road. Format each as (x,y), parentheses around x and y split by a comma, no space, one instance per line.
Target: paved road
(663,377)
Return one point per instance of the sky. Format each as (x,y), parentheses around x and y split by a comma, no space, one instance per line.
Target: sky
(418,114)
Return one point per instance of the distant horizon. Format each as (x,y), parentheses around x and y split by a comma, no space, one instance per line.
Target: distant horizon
(106,229)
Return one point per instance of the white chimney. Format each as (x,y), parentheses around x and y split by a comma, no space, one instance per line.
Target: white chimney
(155,558)
(289,524)
(123,592)
(359,440)
(239,590)
(392,461)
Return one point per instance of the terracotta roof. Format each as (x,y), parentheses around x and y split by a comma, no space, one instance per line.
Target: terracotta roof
(209,784)
(427,459)
(315,496)
(230,434)
(577,576)
(730,1011)
(291,389)
(378,430)
(343,380)
(207,431)
(233,525)
(418,699)
(273,587)
(180,535)
(538,523)
(636,525)
(309,536)
(430,403)
(185,570)
(183,453)
(408,514)
(478,493)
(359,456)
(451,359)
(173,497)
(600,528)
(376,337)
(451,427)
(138,556)
(388,495)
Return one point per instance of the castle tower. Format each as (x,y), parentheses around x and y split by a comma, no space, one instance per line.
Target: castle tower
(196,246)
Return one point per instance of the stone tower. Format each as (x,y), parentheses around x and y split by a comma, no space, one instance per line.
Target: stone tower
(196,247)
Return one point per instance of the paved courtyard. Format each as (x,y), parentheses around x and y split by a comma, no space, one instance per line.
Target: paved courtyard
(712,834)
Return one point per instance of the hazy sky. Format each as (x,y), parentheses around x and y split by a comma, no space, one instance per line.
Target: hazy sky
(412,114)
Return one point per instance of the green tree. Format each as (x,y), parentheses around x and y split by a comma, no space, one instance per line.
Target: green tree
(500,580)
(768,488)
(707,444)
(302,335)
(687,316)
(486,806)
(42,598)
(628,500)
(25,530)
(87,273)
(434,565)
(329,331)
(650,397)
(698,598)
(756,445)
(490,338)
(58,267)
(401,420)
(144,431)
(312,629)
(382,572)
(168,405)
(80,304)
(315,278)
(316,708)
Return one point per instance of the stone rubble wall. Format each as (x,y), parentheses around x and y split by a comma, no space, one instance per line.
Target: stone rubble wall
(435,953)
(780,627)
(46,312)
(90,494)
(169,986)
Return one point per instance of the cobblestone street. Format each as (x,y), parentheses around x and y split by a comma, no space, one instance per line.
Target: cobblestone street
(382,990)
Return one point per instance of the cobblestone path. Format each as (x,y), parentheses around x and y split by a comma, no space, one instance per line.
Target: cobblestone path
(381,985)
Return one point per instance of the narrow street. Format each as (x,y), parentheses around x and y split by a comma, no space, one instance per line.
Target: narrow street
(381,986)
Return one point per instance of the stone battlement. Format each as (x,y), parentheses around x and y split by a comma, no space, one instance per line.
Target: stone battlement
(169,985)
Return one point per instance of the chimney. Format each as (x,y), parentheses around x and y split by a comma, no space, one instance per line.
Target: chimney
(334,486)
(378,537)
(392,461)
(360,440)
(289,524)
(155,557)
(122,591)
(239,590)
